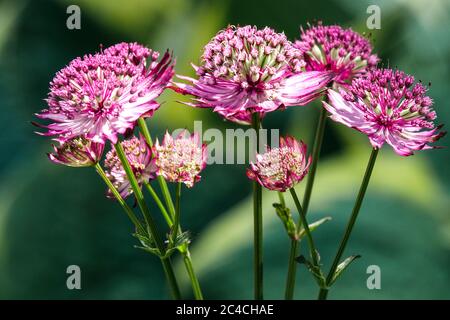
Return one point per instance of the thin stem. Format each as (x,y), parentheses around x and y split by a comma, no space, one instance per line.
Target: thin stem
(149,220)
(257,224)
(171,208)
(162,183)
(184,251)
(176,221)
(281,197)
(171,279)
(184,248)
(166,194)
(159,203)
(145,132)
(317,146)
(309,237)
(352,220)
(295,246)
(292,266)
(140,198)
(194,281)
(292,271)
(323,294)
(119,198)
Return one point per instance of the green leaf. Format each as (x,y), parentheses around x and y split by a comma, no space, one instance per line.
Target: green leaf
(285,216)
(313,226)
(147,242)
(154,251)
(180,243)
(182,239)
(314,270)
(144,238)
(342,266)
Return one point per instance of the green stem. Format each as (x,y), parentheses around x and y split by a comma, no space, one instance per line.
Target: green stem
(190,270)
(119,198)
(184,251)
(148,220)
(140,198)
(145,132)
(159,203)
(257,224)
(309,237)
(162,183)
(171,216)
(281,197)
(171,279)
(292,270)
(292,266)
(351,222)
(317,146)
(176,221)
(323,293)
(166,194)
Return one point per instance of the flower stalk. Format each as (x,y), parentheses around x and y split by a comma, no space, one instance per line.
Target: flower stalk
(190,269)
(119,198)
(317,147)
(176,221)
(162,183)
(158,202)
(292,271)
(170,214)
(257,224)
(312,247)
(152,227)
(362,191)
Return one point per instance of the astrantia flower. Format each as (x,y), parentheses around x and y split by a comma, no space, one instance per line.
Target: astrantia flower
(77,152)
(180,159)
(102,95)
(139,155)
(245,70)
(281,168)
(388,107)
(342,51)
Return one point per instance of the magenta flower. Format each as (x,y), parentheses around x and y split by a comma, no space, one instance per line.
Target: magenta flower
(77,152)
(388,107)
(245,70)
(332,48)
(102,95)
(180,159)
(281,168)
(139,155)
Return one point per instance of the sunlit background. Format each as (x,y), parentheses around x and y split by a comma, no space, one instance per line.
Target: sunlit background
(53,216)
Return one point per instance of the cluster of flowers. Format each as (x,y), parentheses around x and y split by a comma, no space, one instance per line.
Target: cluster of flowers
(98,97)
(245,70)
(244,73)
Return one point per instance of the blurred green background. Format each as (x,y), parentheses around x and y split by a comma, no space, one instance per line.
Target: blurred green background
(53,216)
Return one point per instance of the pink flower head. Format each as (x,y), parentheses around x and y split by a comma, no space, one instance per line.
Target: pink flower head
(388,107)
(342,51)
(139,155)
(77,152)
(180,159)
(102,95)
(245,70)
(281,168)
